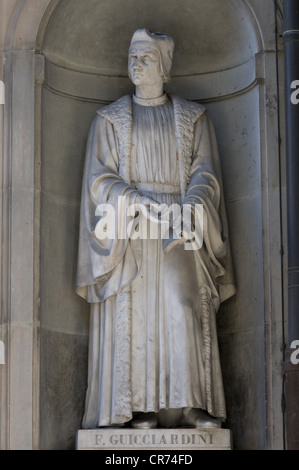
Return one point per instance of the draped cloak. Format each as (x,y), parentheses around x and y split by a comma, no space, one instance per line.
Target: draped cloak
(153,339)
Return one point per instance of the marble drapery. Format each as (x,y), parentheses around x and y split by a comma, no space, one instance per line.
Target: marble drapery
(153,339)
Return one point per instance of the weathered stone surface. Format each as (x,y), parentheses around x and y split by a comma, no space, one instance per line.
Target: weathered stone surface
(62,394)
(251,325)
(158,439)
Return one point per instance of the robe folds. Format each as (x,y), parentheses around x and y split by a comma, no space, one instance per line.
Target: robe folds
(153,339)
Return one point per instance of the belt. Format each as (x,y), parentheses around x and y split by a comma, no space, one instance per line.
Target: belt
(158,188)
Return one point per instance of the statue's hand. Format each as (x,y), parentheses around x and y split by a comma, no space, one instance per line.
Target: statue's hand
(188,223)
(151,209)
(145,200)
(144,204)
(178,230)
(183,226)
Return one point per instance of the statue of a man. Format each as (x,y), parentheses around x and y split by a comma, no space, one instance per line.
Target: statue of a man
(153,357)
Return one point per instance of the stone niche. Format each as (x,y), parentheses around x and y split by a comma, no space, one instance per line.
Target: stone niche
(217,63)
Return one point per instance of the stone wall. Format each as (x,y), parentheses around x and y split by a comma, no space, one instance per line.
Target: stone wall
(62,60)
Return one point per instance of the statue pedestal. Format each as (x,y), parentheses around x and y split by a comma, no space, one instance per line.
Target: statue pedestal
(119,439)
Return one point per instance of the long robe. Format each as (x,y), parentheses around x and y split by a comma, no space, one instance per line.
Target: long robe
(153,339)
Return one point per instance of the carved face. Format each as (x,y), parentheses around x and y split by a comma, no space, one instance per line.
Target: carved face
(144,66)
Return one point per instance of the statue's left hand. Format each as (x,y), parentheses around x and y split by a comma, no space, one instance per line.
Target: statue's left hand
(183,225)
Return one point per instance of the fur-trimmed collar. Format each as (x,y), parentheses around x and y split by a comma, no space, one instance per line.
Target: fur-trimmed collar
(186,113)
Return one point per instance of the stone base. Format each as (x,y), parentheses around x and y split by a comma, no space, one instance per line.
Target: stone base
(119,439)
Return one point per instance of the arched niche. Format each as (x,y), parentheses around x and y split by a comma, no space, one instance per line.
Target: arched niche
(217,62)
(86,47)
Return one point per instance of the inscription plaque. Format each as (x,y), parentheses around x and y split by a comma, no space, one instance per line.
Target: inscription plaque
(158,439)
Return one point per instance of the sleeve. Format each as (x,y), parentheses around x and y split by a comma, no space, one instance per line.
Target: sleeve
(105,265)
(205,189)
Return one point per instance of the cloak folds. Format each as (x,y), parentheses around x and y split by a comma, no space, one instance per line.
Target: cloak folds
(108,268)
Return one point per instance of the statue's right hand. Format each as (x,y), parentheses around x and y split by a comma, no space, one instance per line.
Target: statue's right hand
(145,200)
(151,209)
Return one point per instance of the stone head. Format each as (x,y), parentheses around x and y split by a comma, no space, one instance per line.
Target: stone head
(150,53)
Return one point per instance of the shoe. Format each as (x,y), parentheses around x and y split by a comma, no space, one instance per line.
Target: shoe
(197,418)
(144,421)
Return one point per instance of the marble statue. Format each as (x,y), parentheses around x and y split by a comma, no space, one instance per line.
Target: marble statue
(153,354)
